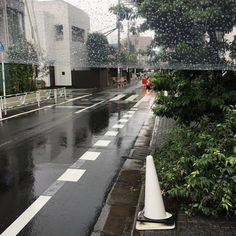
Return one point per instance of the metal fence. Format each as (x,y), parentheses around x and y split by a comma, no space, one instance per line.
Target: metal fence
(23,99)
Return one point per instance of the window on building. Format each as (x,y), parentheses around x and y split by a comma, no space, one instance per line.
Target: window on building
(59,32)
(78,34)
(14,24)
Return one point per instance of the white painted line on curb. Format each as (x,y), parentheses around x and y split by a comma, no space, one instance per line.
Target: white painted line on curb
(131,98)
(77,112)
(26,216)
(111,133)
(118,97)
(117,126)
(90,156)
(72,175)
(123,120)
(102,143)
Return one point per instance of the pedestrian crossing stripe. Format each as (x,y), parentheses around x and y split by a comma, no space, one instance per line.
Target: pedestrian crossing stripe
(118,97)
(131,98)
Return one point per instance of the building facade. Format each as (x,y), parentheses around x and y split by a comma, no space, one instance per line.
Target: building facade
(11,21)
(62,31)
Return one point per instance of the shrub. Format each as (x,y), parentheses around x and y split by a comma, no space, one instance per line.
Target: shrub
(197,165)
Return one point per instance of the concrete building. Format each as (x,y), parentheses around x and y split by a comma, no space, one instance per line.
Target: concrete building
(140,42)
(61,31)
(11,21)
(140,45)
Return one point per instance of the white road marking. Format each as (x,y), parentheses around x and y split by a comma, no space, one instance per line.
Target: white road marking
(72,175)
(134,109)
(77,112)
(111,133)
(102,143)
(70,107)
(131,112)
(42,108)
(127,116)
(145,98)
(118,97)
(7,142)
(123,120)
(131,98)
(26,216)
(117,126)
(90,156)
(73,99)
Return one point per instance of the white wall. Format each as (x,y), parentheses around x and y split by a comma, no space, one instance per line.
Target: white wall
(65,54)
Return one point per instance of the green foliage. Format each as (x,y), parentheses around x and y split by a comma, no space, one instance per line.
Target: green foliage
(194,95)
(97,46)
(21,78)
(123,12)
(22,67)
(198,166)
(190,32)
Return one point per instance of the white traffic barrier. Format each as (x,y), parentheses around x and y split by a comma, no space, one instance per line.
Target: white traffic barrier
(38,98)
(154,215)
(55,96)
(0,111)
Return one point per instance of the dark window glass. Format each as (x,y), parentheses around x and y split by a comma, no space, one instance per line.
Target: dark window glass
(78,34)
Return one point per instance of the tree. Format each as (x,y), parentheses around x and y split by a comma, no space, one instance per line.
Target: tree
(197,161)
(97,46)
(190,32)
(123,12)
(22,67)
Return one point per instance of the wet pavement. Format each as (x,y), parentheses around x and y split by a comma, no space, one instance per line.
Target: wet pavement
(61,161)
(126,199)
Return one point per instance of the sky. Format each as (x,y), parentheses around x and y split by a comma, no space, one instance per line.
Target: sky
(101,19)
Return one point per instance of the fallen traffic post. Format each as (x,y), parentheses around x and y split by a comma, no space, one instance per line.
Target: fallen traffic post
(154,215)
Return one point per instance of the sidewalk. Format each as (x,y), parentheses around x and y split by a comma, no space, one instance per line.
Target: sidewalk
(126,198)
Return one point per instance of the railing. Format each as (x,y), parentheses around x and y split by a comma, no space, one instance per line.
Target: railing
(22,99)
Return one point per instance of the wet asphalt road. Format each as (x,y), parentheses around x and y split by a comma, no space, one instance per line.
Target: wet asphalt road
(37,149)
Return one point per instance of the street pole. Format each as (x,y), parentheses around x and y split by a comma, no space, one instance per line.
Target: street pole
(118,25)
(3,82)
(128,46)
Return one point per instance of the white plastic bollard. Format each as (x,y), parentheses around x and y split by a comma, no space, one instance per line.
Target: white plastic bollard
(0,111)
(38,98)
(65,92)
(55,96)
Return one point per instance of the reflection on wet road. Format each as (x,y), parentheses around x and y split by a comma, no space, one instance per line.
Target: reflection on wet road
(60,162)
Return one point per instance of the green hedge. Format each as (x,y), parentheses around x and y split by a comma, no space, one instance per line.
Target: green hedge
(197,165)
